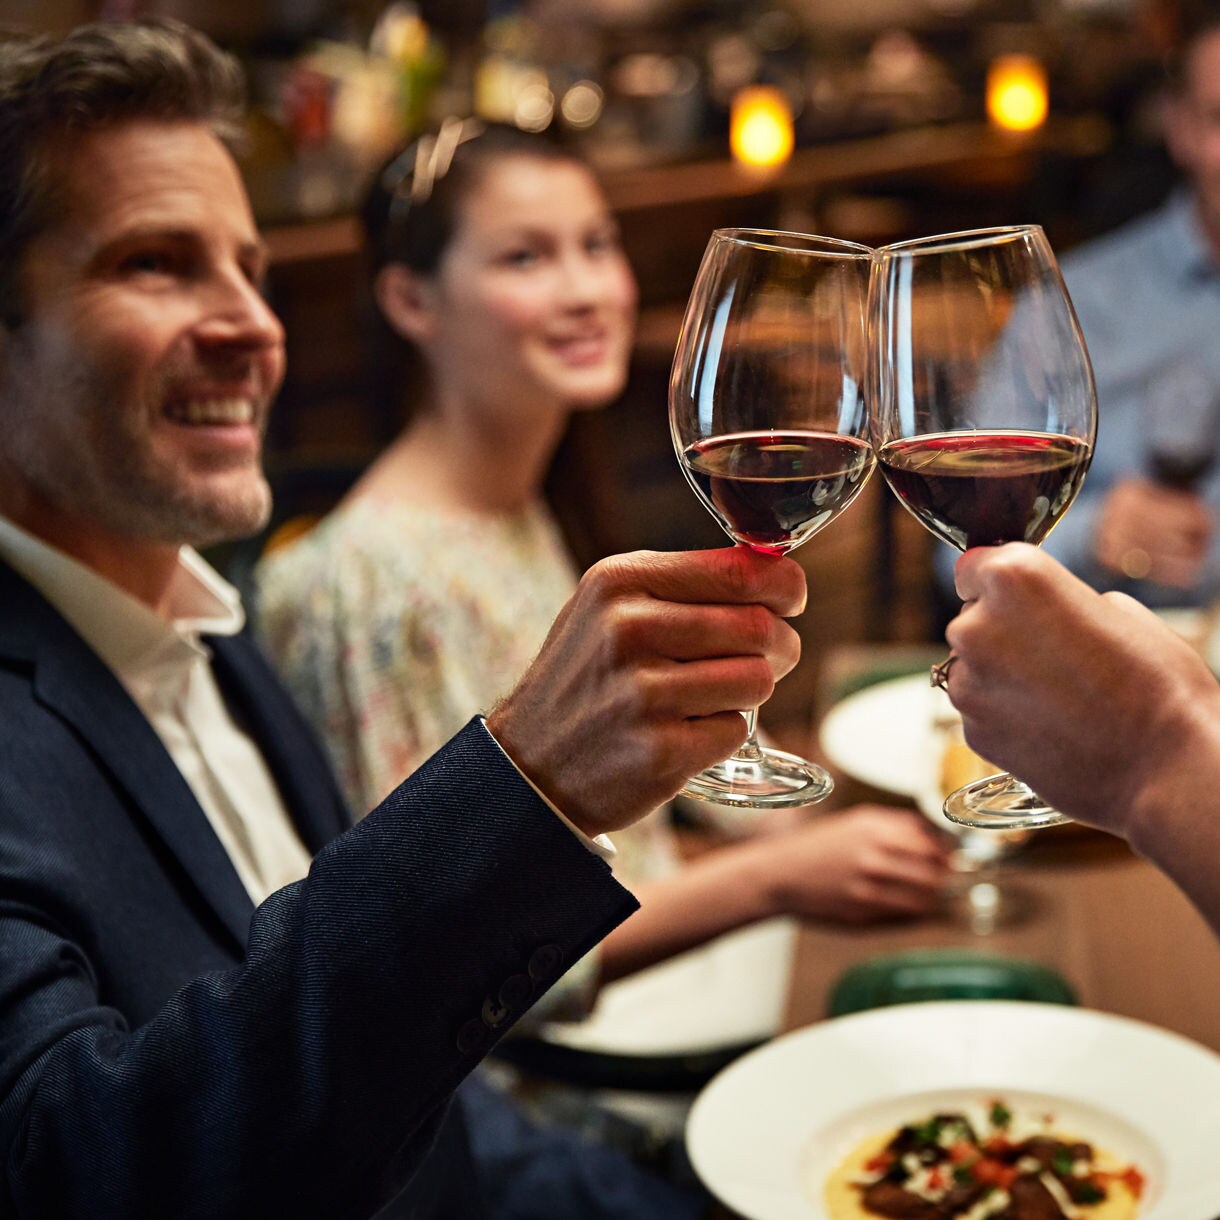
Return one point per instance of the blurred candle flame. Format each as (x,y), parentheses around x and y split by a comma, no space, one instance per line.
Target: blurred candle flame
(1016,92)
(760,126)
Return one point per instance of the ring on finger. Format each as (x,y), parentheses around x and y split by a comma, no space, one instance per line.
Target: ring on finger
(940,673)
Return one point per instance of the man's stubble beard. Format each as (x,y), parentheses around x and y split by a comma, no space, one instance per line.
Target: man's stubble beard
(121,489)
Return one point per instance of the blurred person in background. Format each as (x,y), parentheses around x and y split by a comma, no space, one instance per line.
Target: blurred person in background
(1148,299)
(221,1000)
(423,596)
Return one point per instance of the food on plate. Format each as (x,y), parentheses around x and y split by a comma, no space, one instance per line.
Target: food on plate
(982,1162)
(960,765)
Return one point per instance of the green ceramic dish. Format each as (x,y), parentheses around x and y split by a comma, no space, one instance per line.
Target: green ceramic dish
(945,974)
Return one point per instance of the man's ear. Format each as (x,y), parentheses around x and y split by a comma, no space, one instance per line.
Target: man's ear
(406,302)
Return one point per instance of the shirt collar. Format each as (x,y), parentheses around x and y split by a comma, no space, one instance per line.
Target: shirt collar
(125,633)
(1183,243)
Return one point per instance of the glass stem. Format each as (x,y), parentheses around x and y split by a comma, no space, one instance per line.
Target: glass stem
(750,750)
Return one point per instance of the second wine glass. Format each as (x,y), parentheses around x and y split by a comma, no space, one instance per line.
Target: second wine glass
(985,414)
(767,413)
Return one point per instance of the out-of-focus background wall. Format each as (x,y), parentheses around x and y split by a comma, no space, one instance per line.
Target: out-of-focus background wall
(896,130)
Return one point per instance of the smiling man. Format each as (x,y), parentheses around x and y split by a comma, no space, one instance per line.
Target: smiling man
(216,998)
(146,361)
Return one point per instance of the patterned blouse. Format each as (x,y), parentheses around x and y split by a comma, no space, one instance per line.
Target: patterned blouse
(392,625)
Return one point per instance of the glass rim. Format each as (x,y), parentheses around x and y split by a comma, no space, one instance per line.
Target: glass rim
(833,247)
(965,239)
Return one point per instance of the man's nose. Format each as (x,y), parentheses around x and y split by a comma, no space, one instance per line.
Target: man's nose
(238,313)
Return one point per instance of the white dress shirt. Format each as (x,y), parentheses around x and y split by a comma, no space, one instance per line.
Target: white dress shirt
(166,668)
(164,665)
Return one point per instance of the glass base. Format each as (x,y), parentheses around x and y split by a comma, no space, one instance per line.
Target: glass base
(773,780)
(1001,802)
(982,906)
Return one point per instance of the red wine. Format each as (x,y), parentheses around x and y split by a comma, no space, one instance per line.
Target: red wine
(772,490)
(983,488)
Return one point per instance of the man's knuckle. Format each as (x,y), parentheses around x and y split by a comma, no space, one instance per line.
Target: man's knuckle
(733,570)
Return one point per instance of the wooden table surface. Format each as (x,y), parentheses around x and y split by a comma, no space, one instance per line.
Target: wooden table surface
(1111,924)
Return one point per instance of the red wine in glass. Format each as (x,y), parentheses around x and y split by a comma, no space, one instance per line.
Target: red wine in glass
(768,411)
(984,488)
(773,490)
(984,414)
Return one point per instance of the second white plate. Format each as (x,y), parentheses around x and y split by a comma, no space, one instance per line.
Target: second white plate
(884,736)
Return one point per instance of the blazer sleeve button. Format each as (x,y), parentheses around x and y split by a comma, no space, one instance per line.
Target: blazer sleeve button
(494,1013)
(544,963)
(516,989)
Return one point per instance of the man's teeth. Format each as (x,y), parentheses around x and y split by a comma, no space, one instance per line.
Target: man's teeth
(214,411)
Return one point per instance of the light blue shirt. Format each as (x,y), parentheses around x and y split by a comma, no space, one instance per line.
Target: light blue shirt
(1148,299)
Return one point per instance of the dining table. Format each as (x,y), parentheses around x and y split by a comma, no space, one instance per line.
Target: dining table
(1116,929)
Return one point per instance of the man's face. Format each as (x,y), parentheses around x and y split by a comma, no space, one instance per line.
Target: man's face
(1194,127)
(134,393)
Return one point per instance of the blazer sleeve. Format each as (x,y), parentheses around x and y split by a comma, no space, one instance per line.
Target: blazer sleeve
(307,1081)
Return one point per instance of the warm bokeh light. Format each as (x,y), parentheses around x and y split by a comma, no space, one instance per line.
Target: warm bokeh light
(1016,92)
(760,126)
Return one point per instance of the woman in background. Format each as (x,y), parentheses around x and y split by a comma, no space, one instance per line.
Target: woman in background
(422,598)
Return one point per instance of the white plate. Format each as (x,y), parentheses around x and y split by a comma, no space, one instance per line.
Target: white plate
(726,993)
(767,1131)
(884,736)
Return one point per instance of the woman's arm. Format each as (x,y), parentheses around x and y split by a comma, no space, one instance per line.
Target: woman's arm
(865,863)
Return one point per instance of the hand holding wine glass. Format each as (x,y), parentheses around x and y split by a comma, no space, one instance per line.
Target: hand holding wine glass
(767,413)
(985,414)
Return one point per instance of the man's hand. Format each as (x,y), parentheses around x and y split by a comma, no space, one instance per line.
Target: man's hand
(641,680)
(1149,532)
(1089,698)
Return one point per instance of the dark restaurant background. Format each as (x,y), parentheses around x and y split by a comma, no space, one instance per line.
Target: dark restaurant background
(892,139)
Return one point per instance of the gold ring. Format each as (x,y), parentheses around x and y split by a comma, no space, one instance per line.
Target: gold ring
(940,673)
(1135,562)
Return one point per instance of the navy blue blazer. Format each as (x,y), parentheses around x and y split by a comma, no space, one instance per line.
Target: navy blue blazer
(167,1051)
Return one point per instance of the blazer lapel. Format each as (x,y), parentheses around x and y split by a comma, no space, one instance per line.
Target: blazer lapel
(70,680)
(267,712)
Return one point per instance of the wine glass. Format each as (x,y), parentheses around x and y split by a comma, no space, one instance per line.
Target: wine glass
(1183,414)
(767,413)
(974,896)
(985,414)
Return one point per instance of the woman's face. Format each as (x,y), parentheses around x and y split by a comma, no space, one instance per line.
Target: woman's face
(533,302)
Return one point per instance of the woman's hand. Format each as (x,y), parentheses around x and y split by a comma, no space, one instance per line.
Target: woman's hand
(868,862)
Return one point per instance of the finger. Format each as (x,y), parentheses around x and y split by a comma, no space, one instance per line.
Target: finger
(922,842)
(1178,573)
(970,570)
(691,745)
(915,872)
(888,896)
(704,688)
(693,632)
(729,575)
